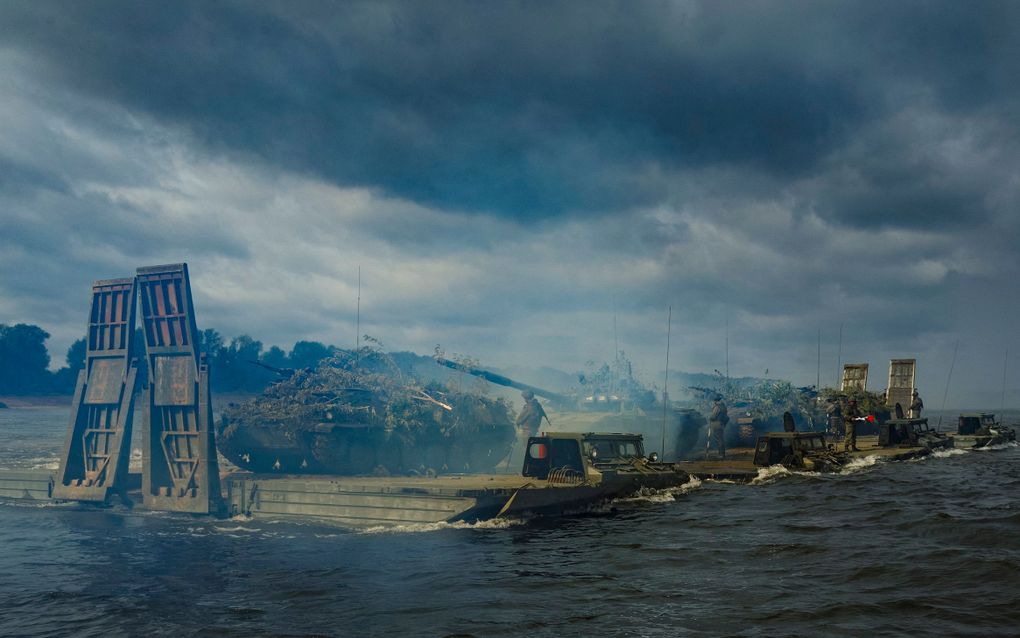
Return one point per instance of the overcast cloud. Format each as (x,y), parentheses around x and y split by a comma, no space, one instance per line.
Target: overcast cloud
(511,176)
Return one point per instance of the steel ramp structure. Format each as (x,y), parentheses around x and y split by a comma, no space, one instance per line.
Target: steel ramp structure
(97,447)
(901,382)
(180,471)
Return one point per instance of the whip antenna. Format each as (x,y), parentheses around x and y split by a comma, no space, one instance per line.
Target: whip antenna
(946,393)
(665,384)
(1005,362)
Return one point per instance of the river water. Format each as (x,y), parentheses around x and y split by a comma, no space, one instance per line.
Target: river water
(928,547)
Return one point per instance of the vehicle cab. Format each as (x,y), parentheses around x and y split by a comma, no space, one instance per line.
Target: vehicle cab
(775,448)
(979,423)
(570,457)
(911,433)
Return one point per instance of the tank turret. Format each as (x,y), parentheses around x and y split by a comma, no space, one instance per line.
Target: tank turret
(357,413)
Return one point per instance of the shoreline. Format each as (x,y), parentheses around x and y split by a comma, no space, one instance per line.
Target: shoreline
(64,401)
(38,401)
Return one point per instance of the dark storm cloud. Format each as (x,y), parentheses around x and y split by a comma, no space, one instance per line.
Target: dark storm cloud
(513,176)
(525,109)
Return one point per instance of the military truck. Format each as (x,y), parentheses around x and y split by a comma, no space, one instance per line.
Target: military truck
(981,430)
(613,458)
(911,433)
(799,451)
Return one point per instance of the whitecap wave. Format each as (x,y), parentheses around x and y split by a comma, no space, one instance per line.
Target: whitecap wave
(418,528)
(770,474)
(239,528)
(946,453)
(40,463)
(859,464)
(664,495)
(1008,445)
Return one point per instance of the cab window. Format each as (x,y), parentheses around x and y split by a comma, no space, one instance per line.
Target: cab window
(565,453)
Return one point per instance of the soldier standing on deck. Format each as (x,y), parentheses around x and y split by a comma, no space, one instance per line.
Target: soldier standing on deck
(850,423)
(530,418)
(916,405)
(717,425)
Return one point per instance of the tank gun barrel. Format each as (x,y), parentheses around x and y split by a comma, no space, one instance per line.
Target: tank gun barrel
(286,373)
(499,379)
(705,391)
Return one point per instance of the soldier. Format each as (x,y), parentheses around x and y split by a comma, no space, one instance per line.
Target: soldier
(717,425)
(530,418)
(835,413)
(789,425)
(850,424)
(916,406)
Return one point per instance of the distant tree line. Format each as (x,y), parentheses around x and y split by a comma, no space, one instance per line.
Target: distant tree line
(232,366)
(25,361)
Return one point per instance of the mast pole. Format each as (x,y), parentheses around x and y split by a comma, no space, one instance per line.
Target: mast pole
(357,329)
(1005,362)
(818,374)
(665,385)
(839,358)
(946,393)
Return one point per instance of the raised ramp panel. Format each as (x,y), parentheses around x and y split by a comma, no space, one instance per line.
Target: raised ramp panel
(855,377)
(901,382)
(180,471)
(97,447)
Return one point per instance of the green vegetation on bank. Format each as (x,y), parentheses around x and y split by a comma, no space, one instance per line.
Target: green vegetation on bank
(25,361)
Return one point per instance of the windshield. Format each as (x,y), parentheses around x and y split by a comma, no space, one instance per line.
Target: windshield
(608,449)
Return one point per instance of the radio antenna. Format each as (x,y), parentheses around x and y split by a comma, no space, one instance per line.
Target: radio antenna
(357,330)
(665,384)
(946,393)
(1005,362)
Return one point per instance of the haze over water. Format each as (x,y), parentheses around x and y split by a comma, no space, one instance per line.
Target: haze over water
(912,548)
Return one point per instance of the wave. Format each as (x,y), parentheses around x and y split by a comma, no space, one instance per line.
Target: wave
(770,474)
(1008,445)
(773,473)
(664,495)
(418,528)
(859,464)
(940,454)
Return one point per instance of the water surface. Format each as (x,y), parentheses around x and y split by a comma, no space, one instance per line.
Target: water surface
(912,548)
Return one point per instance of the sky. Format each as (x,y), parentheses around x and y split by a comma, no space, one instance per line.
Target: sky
(530,183)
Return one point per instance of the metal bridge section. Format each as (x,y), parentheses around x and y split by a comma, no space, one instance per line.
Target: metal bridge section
(901,382)
(855,377)
(180,471)
(97,448)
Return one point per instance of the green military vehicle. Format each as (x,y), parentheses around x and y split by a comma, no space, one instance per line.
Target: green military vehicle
(563,472)
(981,430)
(613,459)
(911,433)
(798,451)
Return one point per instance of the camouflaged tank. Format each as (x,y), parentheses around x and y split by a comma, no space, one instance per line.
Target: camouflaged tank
(358,414)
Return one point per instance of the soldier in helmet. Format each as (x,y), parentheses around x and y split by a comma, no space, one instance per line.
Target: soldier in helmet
(916,405)
(717,421)
(531,415)
(850,424)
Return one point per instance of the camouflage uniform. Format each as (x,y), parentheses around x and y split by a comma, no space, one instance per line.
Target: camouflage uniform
(530,418)
(850,423)
(717,426)
(916,406)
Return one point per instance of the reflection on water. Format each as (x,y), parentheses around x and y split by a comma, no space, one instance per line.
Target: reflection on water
(904,549)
